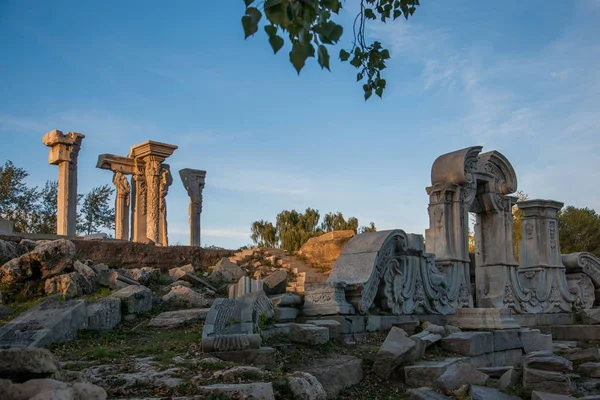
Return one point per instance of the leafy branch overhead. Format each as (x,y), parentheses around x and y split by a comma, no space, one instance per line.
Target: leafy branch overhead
(310,29)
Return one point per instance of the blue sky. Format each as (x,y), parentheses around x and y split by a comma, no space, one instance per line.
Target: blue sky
(519,77)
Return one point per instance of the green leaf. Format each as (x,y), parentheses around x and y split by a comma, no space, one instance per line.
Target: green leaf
(323,57)
(359,77)
(275,14)
(368,91)
(300,52)
(356,62)
(379,91)
(248,2)
(385,54)
(344,55)
(250,21)
(397,13)
(271,30)
(333,5)
(370,14)
(336,33)
(276,43)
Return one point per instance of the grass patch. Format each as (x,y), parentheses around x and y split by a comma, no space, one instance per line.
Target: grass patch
(20,308)
(129,339)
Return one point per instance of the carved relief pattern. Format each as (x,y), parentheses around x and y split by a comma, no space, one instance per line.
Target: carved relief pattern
(529,230)
(153,166)
(552,227)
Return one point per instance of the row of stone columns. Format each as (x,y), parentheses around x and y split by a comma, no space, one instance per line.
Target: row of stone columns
(140,206)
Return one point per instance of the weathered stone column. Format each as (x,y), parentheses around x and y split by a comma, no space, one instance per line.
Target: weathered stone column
(193,181)
(151,154)
(138,215)
(122,206)
(64,149)
(166,180)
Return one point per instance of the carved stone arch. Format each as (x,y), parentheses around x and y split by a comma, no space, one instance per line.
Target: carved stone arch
(363,263)
(584,262)
(456,167)
(502,169)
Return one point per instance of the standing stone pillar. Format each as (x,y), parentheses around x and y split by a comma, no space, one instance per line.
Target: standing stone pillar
(122,206)
(138,215)
(151,155)
(64,149)
(541,271)
(166,180)
(193,181)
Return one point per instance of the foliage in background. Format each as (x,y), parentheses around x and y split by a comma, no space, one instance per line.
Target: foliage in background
(292,229)
(517,216)
(34,210)
(310,30)
(579,230)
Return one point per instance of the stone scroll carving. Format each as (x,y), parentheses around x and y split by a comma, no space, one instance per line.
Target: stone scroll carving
(391,271)
(584,262)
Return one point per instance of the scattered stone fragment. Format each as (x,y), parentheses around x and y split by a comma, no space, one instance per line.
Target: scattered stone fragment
(22,364)
(469,343)
(428,326)
(548,362)
(106,277)
(176,319)
(336,374)
(286,314)
(142,372)
(507,339)
(549,381)
(459,374)
(195,280)
(450,329)
(275,283)
(53,256)
(335,328)
(487,393)
(578,355)
(185,297)
(426,394)
(178,272)
(394,351)
(226,271)
(104,314)
(590,316)
(72,284)
(255,391)
(591,369)
(305,386)
(509,379)
(407,326)
(286,300)
(135,299)
(309,334)
(537,395)
(423,373)
(10,250)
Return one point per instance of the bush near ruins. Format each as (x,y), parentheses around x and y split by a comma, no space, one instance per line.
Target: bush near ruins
(292,229)
(34,210)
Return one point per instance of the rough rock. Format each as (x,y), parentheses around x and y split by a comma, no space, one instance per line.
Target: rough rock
(142,372)
(509,379)
(486,393)
(255,391)
(84,270)
(15,270)
(578,354)
(537,395)
(460,374)
(326,249)
(275,283)
(54,256)
(72,284)
(226,271)
(590,316)
(469,343)
(431,328)
(51,389)
(424,373)
(549,381)
(195,280)
(336,374)
(286,300)
(104,314)
(185,297)
(426,394)
(548,362)
(335,328)
(22,364)
(135,299)
(176,319)
(137,274)
(10,250)
(394,351)
(305,386)
(309,334)
(28,244)
(106,277)
(178,272)
(591,369)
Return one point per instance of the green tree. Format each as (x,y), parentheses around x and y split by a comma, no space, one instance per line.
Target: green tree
(579,230)
(310,29)
(370,228)
(45,218)
(337,222)
(18,203)
(517,217)
(96,212)
(264,234)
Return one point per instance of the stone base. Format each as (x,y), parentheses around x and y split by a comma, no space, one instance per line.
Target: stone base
(264,356)
(531,320)
(49,322)
(584,333)
(483,318)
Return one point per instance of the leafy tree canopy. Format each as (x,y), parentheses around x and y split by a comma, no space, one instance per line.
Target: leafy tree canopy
(34,210)
(310,29)
(292,229)
(579,230)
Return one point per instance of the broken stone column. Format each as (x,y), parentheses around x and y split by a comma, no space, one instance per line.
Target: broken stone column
(138,213)
(122,206)
(166,180)
(64,149)
(193,181)
(151,154)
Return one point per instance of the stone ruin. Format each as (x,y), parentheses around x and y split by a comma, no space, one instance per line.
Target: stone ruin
(394,272)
